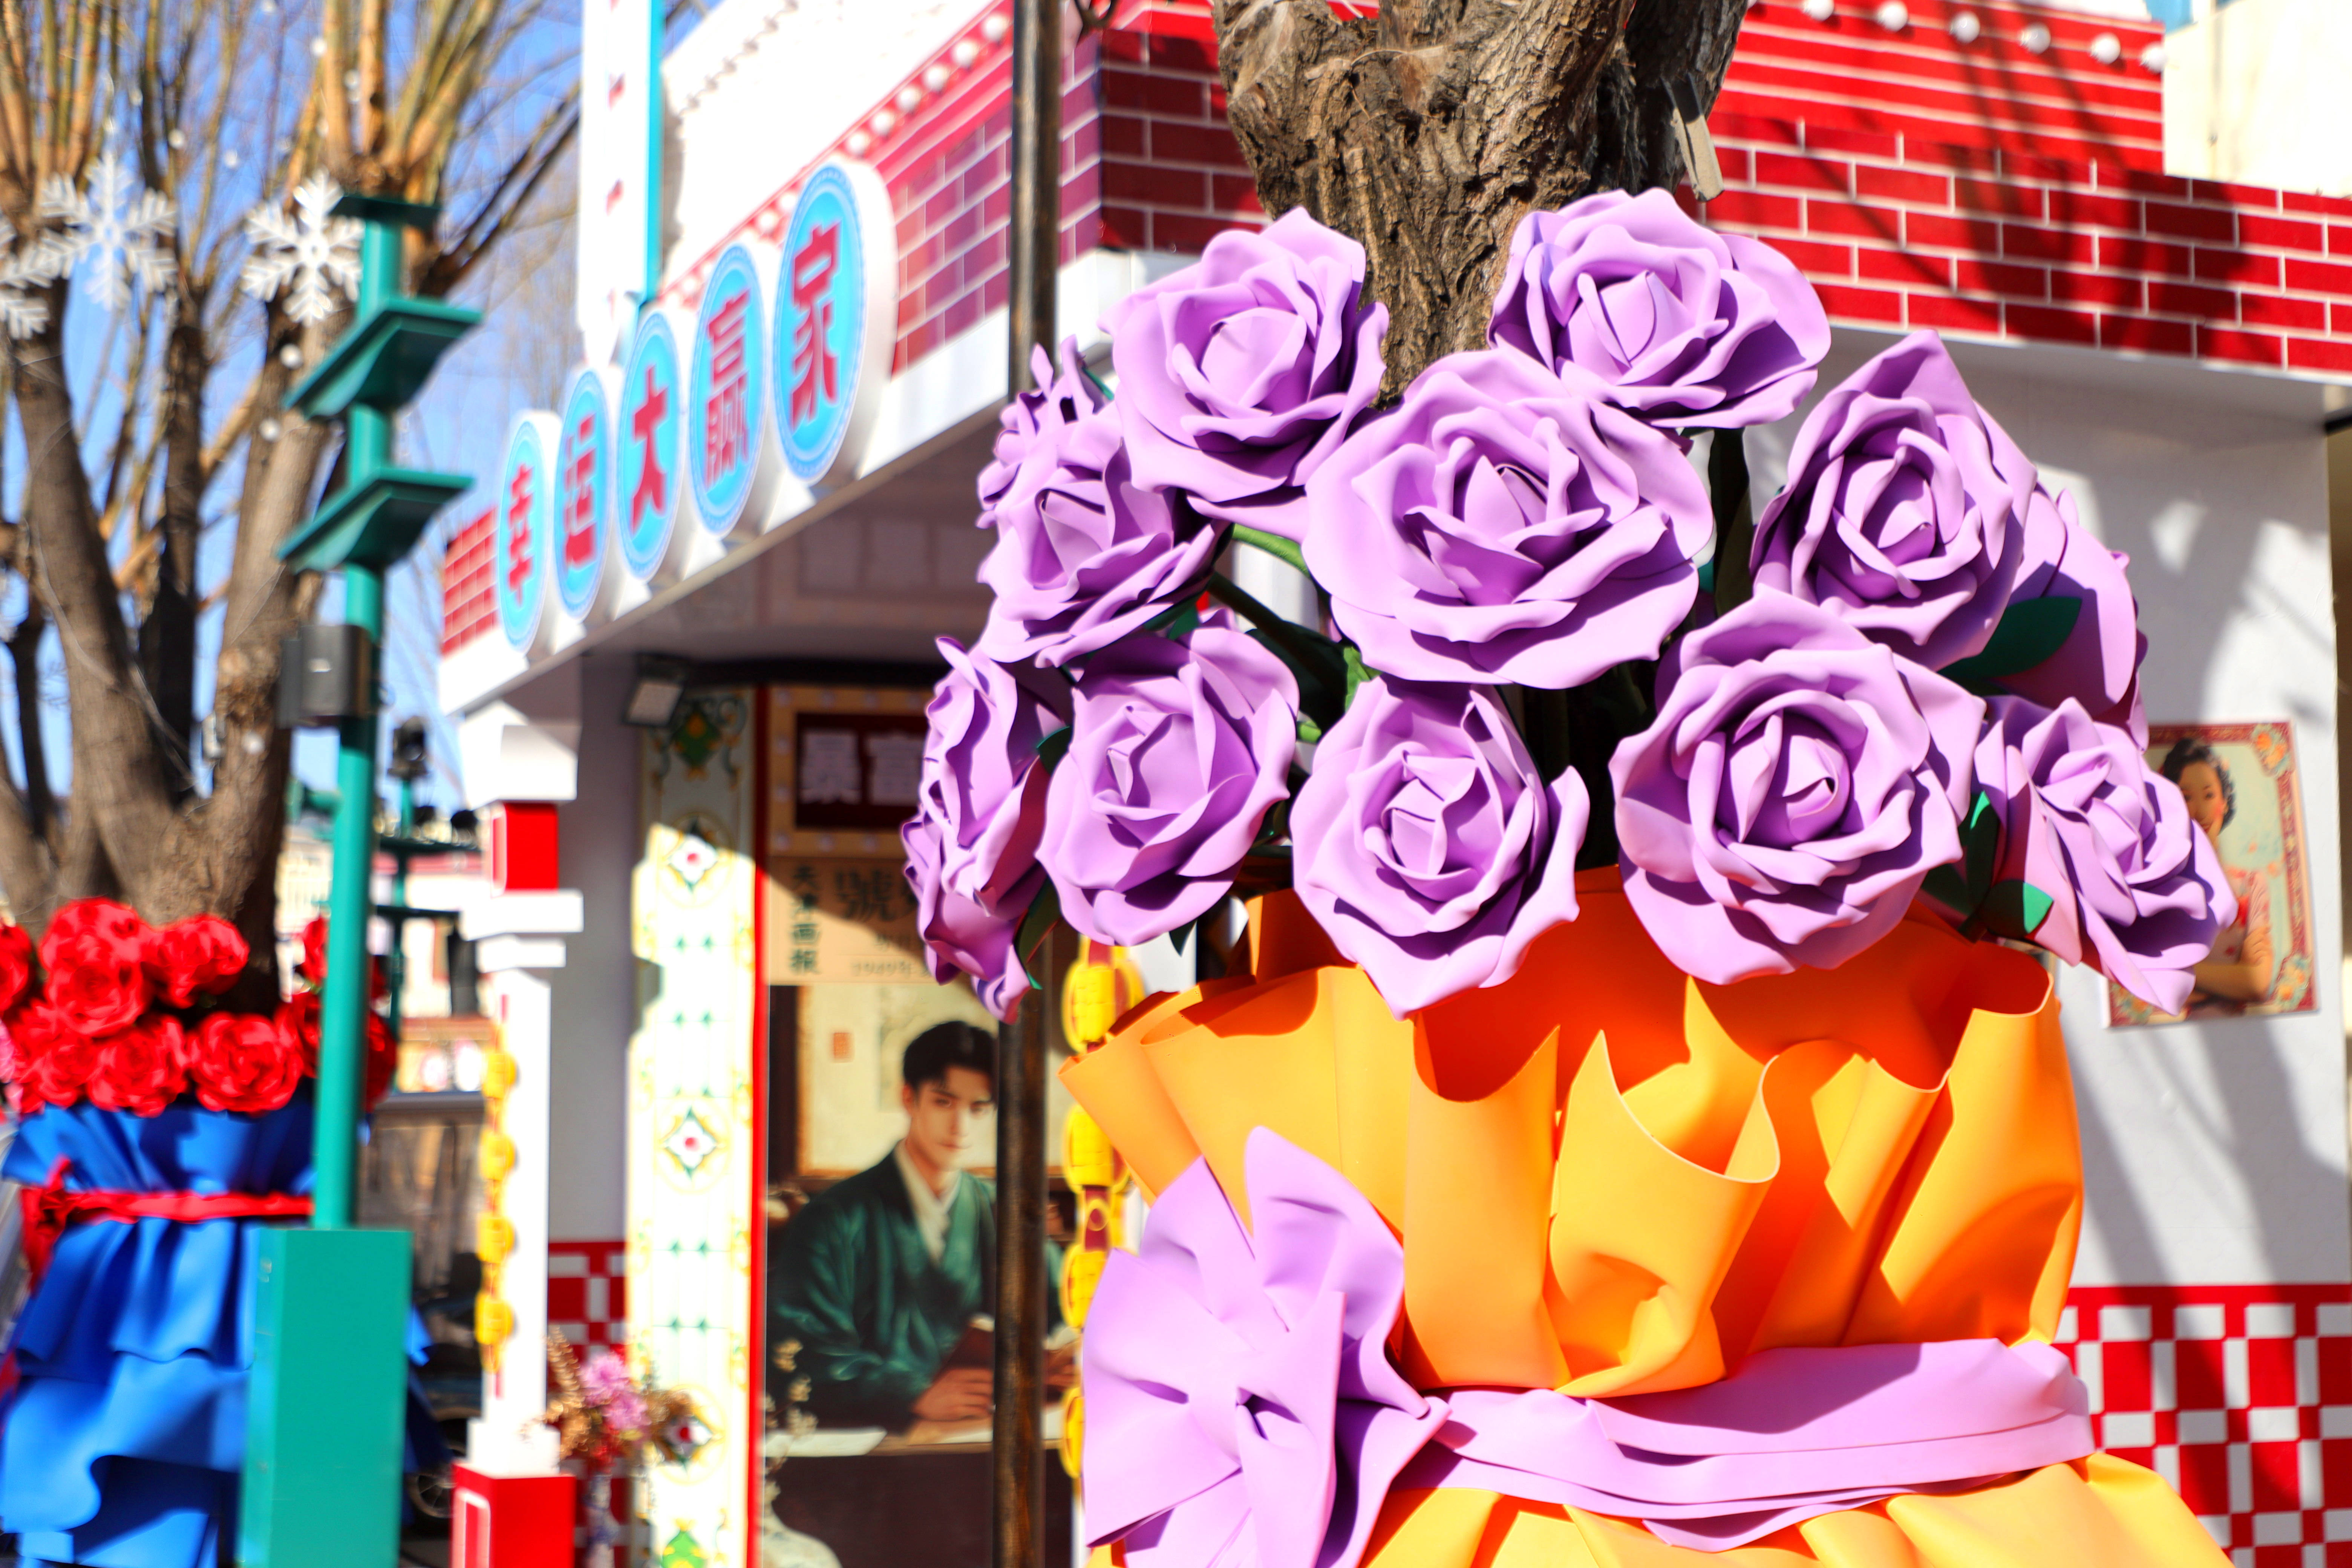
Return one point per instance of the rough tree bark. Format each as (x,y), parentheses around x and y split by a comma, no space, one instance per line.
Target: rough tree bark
(1428,131)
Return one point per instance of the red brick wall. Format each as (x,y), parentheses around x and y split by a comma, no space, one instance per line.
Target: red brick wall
(469,603)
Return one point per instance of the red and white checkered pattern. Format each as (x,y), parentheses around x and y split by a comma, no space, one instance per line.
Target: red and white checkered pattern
(2240,1396)
(588,1292)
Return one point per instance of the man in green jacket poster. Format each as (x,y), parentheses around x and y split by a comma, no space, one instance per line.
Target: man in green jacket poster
(881,1277)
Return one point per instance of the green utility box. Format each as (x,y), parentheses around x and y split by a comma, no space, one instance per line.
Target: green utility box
(323,1414)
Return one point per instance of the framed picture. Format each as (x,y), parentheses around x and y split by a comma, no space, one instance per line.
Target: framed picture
(2243,795)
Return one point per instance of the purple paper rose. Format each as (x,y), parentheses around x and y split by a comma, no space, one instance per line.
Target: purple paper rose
(1427,845)
(1800,783)
(1082,556)
(1497,526)
(1904,511)
(1629,299)
(2098,664)
(1240,375)
(1031,429)
(2135,887)
(982,782)
(1177,752)
(959,936)
(1240,1405)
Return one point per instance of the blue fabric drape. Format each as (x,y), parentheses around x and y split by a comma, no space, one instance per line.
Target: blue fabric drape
(123,1441)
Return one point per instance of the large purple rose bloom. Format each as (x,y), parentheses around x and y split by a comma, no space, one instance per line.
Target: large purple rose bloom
(1240,375)
(2135,887)
(981,781)
(1798,784)
(1084,554)
(1905,512)
(959,936)
(2098,664)
(1497,527)
(1629,299)
(1030,431)
(1428,845)
(1177,752)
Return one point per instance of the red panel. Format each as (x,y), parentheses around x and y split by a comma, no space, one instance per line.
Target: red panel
(511,1521)
(523,846)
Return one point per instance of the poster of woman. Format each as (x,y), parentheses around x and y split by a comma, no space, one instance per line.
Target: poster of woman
(2240,784)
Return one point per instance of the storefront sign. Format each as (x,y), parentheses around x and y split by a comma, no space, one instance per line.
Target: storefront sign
(525,533)
(734,476)
(842,921)
(584,498)
(646,441)
(836,307)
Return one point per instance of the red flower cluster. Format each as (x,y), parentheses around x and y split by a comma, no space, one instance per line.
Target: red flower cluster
(119,1014)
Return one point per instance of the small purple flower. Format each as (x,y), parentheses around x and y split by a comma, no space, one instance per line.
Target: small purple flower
(1177,752)
(1629,299)
(2098,664)
(982,782)
(1798,785)
(1904,511)
(959,936)
(1240,375)
(1031,429)
(1427,845)
(2135,889)
(1497,526)
(1084,555)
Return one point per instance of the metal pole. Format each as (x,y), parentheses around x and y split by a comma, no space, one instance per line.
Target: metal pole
(1034,255)
(1035,245)
(1019,1453)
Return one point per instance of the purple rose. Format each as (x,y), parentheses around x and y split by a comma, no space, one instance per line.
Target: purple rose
(1497,526)
(959,936)
(1031,429)
(1800,783)
(1629,299)
(1082,556)
(1240,375)
(1905,512)
(982,782)
(2098,664)
(2135,887)
(1177,752)
(1428,845)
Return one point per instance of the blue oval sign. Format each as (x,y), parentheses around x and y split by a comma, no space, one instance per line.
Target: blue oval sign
(526,510)
(646,441)
(583,495)
(820,307)
(724,410)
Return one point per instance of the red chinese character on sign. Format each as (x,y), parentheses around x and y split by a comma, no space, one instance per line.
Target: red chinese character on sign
(580,506)
(724,438)
(519,530)
(653,485)
(812,360)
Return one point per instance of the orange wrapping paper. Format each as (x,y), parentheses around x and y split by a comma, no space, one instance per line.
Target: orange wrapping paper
(1608,1178)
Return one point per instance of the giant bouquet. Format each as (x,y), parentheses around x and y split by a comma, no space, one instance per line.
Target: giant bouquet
(158,1127)
(1542,644)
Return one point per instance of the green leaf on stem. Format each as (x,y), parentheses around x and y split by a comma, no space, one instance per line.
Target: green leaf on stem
(1043,910)
(1052,745)
(2030,631)
(1314,660)
(2015,910)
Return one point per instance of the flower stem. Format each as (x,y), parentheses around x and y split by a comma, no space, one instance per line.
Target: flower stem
(1283,550)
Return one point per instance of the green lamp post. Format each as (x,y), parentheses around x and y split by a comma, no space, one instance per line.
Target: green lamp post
(324,1410)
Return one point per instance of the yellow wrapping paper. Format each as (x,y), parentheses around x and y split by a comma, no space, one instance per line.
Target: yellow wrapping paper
(1608,1178)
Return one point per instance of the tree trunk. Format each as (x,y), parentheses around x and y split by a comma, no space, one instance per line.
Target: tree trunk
(167,638)
(1428,131)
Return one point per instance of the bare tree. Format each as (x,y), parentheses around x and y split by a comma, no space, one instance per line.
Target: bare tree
(182,114)
(1427,131)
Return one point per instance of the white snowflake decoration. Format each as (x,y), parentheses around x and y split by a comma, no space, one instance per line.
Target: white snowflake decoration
(120,229)
(309,248)
(22,314)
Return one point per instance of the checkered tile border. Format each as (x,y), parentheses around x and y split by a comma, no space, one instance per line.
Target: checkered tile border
(588,1292)
(2238,1396)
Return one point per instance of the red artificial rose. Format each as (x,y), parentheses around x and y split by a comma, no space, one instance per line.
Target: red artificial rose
(314,968)
(242,1061)
(383,1059)
(200,956)
(298,1021)
(15,964)
(55,1059)
(141,1070)
(94,952)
